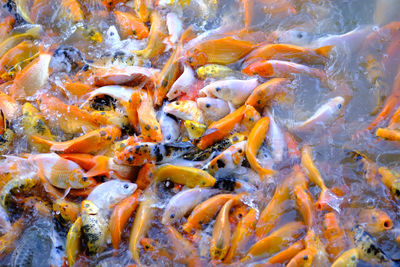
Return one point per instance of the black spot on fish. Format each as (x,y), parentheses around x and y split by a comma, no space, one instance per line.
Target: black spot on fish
(220,163)
(159,156)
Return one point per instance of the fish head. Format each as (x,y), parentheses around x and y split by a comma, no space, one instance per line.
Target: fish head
(337,104)
(78,179)
(111,133)
(126,189)
(207,181)
(88,207)
(196,58)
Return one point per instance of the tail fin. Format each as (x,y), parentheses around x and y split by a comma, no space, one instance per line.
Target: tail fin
(100,167)
(324,51)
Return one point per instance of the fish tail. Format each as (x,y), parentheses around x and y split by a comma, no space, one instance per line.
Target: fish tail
(40,140)
(324,51)
(100,167)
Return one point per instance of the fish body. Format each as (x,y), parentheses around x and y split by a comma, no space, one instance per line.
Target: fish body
(185,110)
(191,177)
(214,71)
(324,116)
(183,202)
(60,172)
(283,69)
(229,160)
(32,78)
(183,83)
(73,242)
(109,193)
(16,185)
(169,128)
(213,108)
(142,152)
(234,91)
(34,125)
(91,142)
(94,227)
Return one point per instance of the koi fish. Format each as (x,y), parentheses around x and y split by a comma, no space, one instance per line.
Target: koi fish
(32,78)
(73,242)
(283,69)
(109,193)
(234,91)
(138,153)
(324,116)
(213,109)
(191,177)
(226,162)
(185,110)
(183,202)
(70,119)
(87,143)
(120,216)
(129,25)
(214,71)
(60,172)
(181,85)
(375,220)
(94,227)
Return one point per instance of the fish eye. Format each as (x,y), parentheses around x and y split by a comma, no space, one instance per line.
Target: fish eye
(126,186)
(84,178)
(217,89)
(339,106)
(203,183)
(172,216)
(299,35)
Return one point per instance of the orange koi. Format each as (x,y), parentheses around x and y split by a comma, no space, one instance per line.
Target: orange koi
(390,104)
(250,118)
(69,211)
(375,220)
(77,88)
(285,255)
(155,47)
(129,25)
(223,51)
(221,237)
(70,119)
(32,77)
(288,52)
(326,197)
(285,69)
(141,224)
(335,235)
(220,129)
(145,176)
(263,94)
(129,75)
(370,169)
(15,55)
(305,205)
(120,216)
(168,75)
(149,125)
(158,252)
(388,134)
(278,204)
(242,235)
(276,241)
(87,143)
(254,143)
(205,211)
